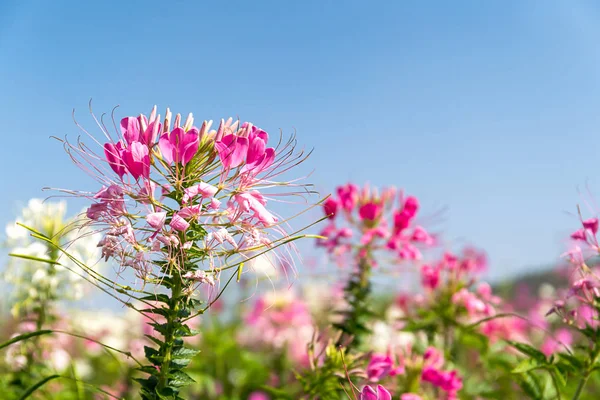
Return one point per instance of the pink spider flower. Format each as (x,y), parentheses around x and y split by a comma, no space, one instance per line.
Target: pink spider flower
(142,229)
(381,393)
(381,366)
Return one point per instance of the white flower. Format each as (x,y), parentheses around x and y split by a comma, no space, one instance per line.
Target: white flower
(59,359)
(264,265)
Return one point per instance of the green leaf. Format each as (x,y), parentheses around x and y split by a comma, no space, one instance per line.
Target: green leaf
(25,336)
(527,365)
(148,369)
(560,377)
(179,379)
(572,360)
(32,258)
(153,355)
(531,385)
(157,297)
(184,352)
(155,340)
(36,386)
(530,351)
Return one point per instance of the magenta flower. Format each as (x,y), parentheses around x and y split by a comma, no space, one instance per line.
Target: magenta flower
(370,211)
(348,195)
(380,366)
(232,150)
(132,155)
(591,225)
(330,207)
(430,277)
(258,157)
(368,393)
(448,381)
(113,153)
(179,146)
(248,145)
(137,160)
(139,130)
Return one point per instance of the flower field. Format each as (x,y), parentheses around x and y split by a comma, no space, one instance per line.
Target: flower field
(194,232)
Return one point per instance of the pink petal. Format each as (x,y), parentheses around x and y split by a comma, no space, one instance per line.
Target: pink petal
(383,394)
(113,156)
(255,151)
(368,393)
(167,149)
(156,219)
(130,128)
(178,223)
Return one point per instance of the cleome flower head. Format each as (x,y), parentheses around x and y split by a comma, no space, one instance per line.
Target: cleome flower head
(173,191)
(378,219)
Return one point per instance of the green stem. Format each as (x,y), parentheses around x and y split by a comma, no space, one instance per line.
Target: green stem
(174,307)
(357,292)
(588,372)
(581,385)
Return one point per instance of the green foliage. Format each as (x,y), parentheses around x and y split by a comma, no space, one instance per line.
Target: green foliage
(328,381)
(354,324)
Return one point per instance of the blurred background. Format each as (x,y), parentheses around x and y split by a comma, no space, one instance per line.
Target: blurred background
(487,111)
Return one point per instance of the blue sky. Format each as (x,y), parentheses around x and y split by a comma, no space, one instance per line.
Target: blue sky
(489,109)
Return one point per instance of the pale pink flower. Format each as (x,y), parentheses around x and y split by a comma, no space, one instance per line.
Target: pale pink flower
(410,396)
(156,219)
(178,223)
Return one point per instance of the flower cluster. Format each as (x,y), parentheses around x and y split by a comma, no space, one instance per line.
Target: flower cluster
(178,206)
(181,189)
(428,368)
(579,305)
(379,221)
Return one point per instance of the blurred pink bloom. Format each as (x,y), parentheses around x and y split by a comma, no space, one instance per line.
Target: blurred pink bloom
(410,396)
(409,252)
(421,235)
(591,225)
(381,366)
(330,207)
(470,301)
(562,337)
(430,277)
(370,211)
(348,195)
(258,396)
(433,357)
(448,381)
